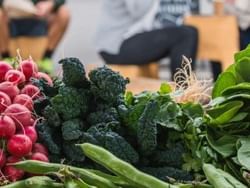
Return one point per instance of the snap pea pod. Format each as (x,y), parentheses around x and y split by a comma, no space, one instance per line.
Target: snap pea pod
(42,182)
(18,184)
(115,179)
(122,168)
(77,183)
(215,177)
(38,167)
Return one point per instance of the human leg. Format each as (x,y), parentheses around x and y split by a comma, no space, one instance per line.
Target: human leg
(4,34)
(58,24)
(155,45)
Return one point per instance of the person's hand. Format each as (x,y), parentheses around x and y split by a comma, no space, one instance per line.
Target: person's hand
(44,8)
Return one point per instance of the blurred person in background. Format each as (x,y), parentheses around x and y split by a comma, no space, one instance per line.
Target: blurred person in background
(54,11)
(129,33)
(241,9)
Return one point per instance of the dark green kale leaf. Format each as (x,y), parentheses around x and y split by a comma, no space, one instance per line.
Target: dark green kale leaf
(147,129)
(108,115)
(71,103)
(45,88)
(71,130)
(52,116)
(108,85)
(114,142)
(40,104)
(74,74)
(173,156)
(72,151)
(47,136)
(164,173)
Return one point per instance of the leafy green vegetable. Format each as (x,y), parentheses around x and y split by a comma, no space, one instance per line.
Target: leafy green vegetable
(242,68)
(74,73)
(224,81)
(147,129)
(71,130)
(243,154)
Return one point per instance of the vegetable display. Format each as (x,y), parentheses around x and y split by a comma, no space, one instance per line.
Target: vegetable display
(95,134)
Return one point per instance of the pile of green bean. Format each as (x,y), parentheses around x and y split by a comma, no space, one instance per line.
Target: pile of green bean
(64,176)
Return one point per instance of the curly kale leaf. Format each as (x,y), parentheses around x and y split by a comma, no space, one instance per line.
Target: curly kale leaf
(170,157)
(71,103)
(72,151)
(147,129)
(164,173)
(48,137)
(108,85)
(114,143)
(109,115)
(52,116)
(44,87)
(74,73)
(40,104)
(71,130)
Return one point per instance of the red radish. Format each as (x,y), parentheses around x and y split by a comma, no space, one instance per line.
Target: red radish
(31,90)
(7,127)
(39,157)
(2,158)
(19,113)
(29,68)
(30,132)
(19,145)
(4,101)
(39,148)
(9,88)
(15,76)
(45,77)
(25,100)
(13,159)
(31,123)
(12,173)
(4,67)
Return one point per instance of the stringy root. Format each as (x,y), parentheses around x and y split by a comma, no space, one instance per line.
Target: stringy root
(188,88)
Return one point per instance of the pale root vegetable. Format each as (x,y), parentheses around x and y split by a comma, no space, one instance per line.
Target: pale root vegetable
(13,174)
(9,88)
(39,157)
(19,145)
(45,77)
(28,68)
(7,127)
(15,76)
(39,148)
(4,67)
(25,100)
(20,114)
(32,91)
(30,132)
(4,101)
(2,158)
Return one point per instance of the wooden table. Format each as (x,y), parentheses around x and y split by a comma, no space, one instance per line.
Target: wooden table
(218,37)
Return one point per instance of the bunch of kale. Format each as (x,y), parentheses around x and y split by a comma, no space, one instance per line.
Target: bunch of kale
(145,129)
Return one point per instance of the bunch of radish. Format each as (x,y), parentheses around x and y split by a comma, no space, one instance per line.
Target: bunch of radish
(18,135)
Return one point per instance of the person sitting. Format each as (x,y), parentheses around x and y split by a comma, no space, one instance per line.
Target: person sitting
(54,12)
(126,35)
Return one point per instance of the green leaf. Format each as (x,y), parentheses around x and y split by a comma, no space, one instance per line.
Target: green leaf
(165,88)
(225,145)
(224,81)
(129,98)
(244,53)
(243,153)
(242,69)
(237,89)
(224,113)
(193,110)
(239,117)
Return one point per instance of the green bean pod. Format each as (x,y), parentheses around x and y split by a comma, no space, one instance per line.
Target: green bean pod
(18,184)
(122,168)
(38,167)
(42,182)
(215,178)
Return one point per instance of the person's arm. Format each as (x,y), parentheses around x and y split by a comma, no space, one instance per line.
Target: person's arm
(138,8)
